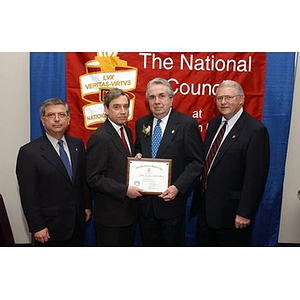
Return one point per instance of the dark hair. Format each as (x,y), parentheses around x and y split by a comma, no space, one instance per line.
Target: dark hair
(113,94)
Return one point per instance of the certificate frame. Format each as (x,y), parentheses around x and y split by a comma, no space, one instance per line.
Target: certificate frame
(150,174)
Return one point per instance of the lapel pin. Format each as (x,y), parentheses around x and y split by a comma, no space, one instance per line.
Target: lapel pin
(173,131)
(233,136)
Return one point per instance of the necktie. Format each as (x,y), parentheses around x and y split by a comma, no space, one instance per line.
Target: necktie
(124,140)
(64,157)
(210,157)
(156,138)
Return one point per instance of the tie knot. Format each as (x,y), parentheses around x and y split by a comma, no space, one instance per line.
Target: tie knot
(122,131)
(60,143)
(158,121)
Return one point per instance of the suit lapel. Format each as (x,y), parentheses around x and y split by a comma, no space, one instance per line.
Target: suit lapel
(213,127)
(169,133)
(129,135)
(231,138)
(50,154)
(115,137)
(145,139)
(74,155)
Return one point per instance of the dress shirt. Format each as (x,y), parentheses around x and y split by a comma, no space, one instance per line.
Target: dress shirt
(117,128)
(230,123)
(54,143)
(163,123)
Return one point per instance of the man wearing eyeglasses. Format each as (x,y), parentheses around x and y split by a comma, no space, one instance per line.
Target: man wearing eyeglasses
(237,158)
(51,174)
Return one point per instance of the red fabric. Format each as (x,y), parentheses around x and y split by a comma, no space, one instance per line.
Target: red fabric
(193,76)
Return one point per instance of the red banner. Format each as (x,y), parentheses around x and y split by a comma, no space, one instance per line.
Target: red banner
(193,76)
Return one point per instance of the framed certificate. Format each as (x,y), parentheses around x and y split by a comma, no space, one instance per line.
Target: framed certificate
(151,175)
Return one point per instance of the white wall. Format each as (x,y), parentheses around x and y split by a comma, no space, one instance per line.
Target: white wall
(14,132)
(290,212)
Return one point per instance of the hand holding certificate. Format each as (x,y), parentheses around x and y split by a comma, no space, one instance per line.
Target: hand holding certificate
(151,175)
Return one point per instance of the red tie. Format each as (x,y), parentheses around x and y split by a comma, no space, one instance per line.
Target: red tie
(210,157)
(124,140)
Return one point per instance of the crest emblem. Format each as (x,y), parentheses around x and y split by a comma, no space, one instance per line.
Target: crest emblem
(107,71)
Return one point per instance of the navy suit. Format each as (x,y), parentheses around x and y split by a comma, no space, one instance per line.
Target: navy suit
(106,173)
(237,178)
(182,143)
(49,197)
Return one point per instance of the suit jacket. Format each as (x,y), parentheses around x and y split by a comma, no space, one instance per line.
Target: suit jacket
(182,143)
(49,197)
(106,173)
(237,178)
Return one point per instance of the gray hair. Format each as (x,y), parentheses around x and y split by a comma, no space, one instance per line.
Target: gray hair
(231,83)
(53,101)
(160,81)
(113,94)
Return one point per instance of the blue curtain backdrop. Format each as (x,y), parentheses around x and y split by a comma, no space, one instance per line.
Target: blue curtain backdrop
(48,79)
(279,88)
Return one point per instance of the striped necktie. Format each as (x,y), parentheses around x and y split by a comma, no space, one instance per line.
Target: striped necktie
(210,157)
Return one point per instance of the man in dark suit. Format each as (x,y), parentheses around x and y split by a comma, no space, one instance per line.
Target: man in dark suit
(115,210)
(163,216)
(230,192)
(56,204)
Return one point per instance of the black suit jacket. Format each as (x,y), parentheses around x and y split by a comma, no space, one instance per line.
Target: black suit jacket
(182,143)
(106,173)
(237,178)
(49,197)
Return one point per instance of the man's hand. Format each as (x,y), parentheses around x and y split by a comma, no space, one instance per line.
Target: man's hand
(138,156)
(241,222)
(88,214)
(134,192)
(42,236)
(170,193)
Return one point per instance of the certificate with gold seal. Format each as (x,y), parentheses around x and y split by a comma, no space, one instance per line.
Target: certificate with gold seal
(151,175)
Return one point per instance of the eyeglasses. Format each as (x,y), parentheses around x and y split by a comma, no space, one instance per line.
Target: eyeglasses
(227,98)
(53,115)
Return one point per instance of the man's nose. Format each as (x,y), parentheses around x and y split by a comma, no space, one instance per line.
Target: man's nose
(56,117)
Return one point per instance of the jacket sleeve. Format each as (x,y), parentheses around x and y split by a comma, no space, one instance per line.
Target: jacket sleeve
(28,184)
(98,164)
(257,167)
(193,156)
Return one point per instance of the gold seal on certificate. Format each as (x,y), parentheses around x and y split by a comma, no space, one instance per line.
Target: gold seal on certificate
(151,175)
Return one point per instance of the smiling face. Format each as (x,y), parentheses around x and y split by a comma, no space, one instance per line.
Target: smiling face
(159,100)
(55,120)
(118,110)
(228,101)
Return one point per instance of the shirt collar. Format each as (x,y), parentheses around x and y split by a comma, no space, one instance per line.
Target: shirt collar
(53,140)
(233,120)
(164,120)
(115,126)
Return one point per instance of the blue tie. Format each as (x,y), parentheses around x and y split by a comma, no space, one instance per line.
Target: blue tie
(156,138)
(64,158)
